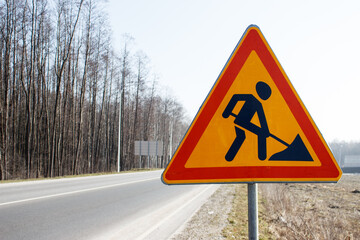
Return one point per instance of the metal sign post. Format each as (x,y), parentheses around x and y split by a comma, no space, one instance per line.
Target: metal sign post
(253,211)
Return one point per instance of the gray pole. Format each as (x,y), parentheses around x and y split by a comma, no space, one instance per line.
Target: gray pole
(170,140)
(148,155)
(253,211)
(119,140)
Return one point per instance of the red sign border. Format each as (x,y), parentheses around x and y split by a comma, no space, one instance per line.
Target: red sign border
(252,40)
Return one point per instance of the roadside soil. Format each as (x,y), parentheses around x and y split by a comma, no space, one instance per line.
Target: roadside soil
(286,211)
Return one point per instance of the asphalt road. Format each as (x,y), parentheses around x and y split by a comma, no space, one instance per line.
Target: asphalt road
(120,206)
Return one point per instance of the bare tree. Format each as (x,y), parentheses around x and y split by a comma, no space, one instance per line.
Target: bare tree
(6,37)
(63,48)
(61,85)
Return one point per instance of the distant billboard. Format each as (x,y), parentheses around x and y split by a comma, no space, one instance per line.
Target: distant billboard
(149,148)
(352,161)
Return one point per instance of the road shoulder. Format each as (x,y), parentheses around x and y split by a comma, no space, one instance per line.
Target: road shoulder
(209,221)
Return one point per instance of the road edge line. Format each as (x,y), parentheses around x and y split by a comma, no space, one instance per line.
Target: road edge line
(74,192)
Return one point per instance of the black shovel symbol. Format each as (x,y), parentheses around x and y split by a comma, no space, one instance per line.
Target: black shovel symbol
(296,151)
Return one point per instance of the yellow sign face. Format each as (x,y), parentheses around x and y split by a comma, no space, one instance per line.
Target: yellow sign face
(220,133)
(252,127)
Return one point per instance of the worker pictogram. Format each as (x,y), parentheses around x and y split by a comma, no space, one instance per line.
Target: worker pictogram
(252,127)
(296,151)
(243,119)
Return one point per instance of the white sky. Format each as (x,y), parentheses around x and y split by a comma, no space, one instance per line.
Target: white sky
(317,43)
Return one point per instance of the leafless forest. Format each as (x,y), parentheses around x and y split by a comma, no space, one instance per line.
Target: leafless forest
(61,88)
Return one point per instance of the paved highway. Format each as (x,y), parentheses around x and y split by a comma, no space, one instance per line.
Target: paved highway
(119,206)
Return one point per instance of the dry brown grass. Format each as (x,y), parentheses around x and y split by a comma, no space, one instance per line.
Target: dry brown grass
(237,227)
(313,211)
(300,211)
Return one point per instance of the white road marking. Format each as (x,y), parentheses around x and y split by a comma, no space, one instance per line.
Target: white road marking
(145,234)
(77,191)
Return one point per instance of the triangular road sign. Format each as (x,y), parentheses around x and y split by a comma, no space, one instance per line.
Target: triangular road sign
(252,127)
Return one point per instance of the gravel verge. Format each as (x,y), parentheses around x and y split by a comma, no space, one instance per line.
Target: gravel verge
(209,221)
